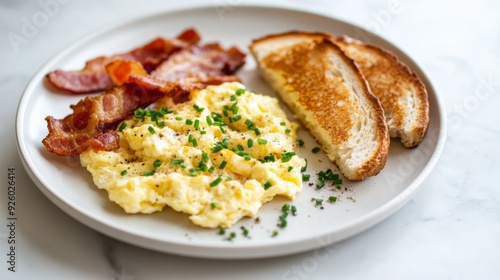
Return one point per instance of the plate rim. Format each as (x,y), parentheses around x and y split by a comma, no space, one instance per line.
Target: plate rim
(239,251)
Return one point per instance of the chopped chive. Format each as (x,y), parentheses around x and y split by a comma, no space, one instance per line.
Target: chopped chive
(216,182)
(237,118)
(262,141)
(339,187)
(149,173)
(233,97)
(202,167)
(204,157)
(152,130)
(287,156)
(290,168)
(213,205)
(320,184)
(275,233)
(250,124)
(287,131)
(177,160)
(301,142)
(183,165)
(305,177)
(189,122)
(232,235)
(122,127)
(240,148)
(195,143)
(211,169)
(283,223)
(222,231)
(250,142)
(198,108)
(123,173)
(337,181)
(203,132)
(332,199)
(282,123)
(316,149)
(165,110)
(192,172)
(222,164)
(178,118)
(217,148)
(319,201)
(196,124)
(304,168)
(294,210)
(228,179)
(240,91)
(157,163)
(285,207)
(210,121)
(245,231)
(267,185)
(257,131)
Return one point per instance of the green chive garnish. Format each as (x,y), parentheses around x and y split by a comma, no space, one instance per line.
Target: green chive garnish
(149,173)
(216,182)
(122,127)
(123,173)
(198,108)
(204,157)
(262,141)
(157,163)
(290,168)
(189,122)
(332,199)
(316,149)
(305,177)
(240,91)
(152,130)
(213,205)
(177,161)
(267,185)
(222,164)
(250,142)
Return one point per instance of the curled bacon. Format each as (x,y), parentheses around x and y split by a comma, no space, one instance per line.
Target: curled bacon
(93,76)
(93,121)
(189,66)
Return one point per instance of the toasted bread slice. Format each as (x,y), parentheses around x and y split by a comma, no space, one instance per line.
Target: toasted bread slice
(325,89)
(401,93)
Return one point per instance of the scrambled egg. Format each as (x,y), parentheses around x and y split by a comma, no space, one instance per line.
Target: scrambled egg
(217,157)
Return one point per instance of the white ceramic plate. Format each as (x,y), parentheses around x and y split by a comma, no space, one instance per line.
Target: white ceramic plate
(361,206)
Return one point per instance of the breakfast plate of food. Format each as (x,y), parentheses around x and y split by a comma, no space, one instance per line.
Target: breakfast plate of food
(241,134)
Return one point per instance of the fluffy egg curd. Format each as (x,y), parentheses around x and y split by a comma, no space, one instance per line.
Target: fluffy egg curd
(217,157)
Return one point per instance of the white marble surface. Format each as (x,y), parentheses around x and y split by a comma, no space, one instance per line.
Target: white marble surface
(449,230)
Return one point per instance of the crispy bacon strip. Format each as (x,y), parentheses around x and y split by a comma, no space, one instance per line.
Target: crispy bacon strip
(93,76)
(186,66)
(93,121)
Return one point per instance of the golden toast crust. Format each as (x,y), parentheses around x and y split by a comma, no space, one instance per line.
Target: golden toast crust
(393,83)
(302,66)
